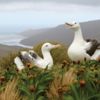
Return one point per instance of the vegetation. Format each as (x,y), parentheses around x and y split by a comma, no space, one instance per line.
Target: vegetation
(65,81)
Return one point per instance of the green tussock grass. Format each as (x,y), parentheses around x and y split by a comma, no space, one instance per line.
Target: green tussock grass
(65,81)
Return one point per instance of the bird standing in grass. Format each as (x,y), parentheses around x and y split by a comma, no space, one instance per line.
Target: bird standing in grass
(81,49)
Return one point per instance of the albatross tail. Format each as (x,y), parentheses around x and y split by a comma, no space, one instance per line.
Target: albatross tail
(96,55)
(19,63)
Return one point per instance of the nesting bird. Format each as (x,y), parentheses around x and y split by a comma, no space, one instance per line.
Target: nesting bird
(33,57)
(47,60)
(81,49)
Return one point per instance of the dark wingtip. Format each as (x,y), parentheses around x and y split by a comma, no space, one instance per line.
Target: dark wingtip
(34,55)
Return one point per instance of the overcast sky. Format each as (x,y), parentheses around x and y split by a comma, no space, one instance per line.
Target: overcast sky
(20,15)
(31,4)
(85,2)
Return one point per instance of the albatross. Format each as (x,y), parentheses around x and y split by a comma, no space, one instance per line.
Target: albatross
(47,60)
(81,49)
(32,57)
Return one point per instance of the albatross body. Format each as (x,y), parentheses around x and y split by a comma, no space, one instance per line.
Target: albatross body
(47,60)
(35,59)
(80,49)
(77,53)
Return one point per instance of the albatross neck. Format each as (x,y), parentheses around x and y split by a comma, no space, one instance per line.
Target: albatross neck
(47,55)
(78,36)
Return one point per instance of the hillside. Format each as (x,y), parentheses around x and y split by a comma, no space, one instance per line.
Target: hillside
(5,50)
(61,34)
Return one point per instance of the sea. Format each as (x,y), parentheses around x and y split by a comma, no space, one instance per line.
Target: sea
(12,40)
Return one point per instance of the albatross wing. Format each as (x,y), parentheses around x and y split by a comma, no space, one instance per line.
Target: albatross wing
(92,46)
(34,55)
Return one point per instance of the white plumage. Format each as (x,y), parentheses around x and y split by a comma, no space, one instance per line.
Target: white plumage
(32,57)
(47,60)
(19,63)
(77,51)
(96,55)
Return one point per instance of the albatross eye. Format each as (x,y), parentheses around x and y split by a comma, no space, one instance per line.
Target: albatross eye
(46,45)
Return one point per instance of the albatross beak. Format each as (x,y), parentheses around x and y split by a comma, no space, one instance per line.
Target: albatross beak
(68,25)
(57,46)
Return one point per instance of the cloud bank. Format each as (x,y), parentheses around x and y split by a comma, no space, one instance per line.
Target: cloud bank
(46,6)
(46,13)
(83,2)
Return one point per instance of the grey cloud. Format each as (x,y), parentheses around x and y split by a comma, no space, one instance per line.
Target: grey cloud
(83,2)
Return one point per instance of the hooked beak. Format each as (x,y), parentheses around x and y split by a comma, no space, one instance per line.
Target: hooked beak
(69,25)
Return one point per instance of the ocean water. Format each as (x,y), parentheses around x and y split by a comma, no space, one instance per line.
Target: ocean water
(12,40)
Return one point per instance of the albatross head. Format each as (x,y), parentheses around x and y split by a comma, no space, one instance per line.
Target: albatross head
(73,25)
(49,46)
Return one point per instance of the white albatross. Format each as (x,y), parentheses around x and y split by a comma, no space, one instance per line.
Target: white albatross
(80,49)
(47,60)
(35,59)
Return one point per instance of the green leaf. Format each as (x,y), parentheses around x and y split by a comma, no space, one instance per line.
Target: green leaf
(24,90)
(75,92)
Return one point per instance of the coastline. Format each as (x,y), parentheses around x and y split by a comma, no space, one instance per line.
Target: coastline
(61,34)
(6,50)
(11,44)
(58,34)
(13,40)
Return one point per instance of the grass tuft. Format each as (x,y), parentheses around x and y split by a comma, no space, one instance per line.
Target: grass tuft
(10,92)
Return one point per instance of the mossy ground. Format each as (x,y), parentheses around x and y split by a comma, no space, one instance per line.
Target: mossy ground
(65,81)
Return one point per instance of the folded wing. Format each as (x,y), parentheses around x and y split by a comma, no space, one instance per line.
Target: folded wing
(91,46)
